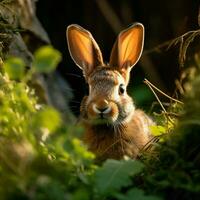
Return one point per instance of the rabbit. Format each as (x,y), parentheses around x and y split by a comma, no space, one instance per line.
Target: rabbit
(114,128)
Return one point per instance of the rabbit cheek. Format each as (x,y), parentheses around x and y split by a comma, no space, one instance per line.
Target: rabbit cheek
(126,107)
(113,114)
(91,113)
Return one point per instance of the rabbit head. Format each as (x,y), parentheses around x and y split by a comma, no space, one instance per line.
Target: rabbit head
(108,101)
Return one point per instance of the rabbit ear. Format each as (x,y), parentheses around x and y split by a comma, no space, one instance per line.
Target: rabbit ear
(128,47)
(83,48)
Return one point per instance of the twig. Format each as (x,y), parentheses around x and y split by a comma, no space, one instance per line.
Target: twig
(173,114)
(158,47)
(171,42)
(149,83)
(150,87)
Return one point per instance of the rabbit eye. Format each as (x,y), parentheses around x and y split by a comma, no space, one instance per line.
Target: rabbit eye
(121,89)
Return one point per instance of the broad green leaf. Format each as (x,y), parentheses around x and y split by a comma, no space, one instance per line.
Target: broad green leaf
(15,68)
(47,118)
(46,59)
(115,174)
(136,194)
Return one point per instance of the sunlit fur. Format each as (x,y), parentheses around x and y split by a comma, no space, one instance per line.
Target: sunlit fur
(122,131)
(113,127)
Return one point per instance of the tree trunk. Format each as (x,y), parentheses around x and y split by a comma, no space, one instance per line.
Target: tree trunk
(20,35)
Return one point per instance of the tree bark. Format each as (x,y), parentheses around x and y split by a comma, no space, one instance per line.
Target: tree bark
(21,34)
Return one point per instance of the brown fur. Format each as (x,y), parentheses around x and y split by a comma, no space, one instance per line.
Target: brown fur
(113,141)
(126,139)
(113,127)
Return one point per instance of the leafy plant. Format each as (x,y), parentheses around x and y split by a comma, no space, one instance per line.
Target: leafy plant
(115,175)
(46,158)
(35,138)
(43,158)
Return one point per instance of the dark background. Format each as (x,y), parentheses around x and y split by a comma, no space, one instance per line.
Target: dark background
(163,21)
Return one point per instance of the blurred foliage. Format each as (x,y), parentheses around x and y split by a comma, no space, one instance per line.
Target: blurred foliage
(46,59)
(41,157)
(15,68)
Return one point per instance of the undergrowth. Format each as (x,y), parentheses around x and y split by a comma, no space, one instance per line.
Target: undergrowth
(43,158)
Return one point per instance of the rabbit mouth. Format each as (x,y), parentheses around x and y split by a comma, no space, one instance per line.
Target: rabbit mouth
(103,115)
(103,119)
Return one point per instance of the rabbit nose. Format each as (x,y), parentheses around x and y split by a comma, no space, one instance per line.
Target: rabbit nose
(103,110)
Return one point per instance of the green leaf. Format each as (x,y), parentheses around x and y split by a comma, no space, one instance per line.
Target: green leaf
(46,59)
(48,118)
(15,68)
(80,149)
(158,130)
(115,174)
(136,194)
